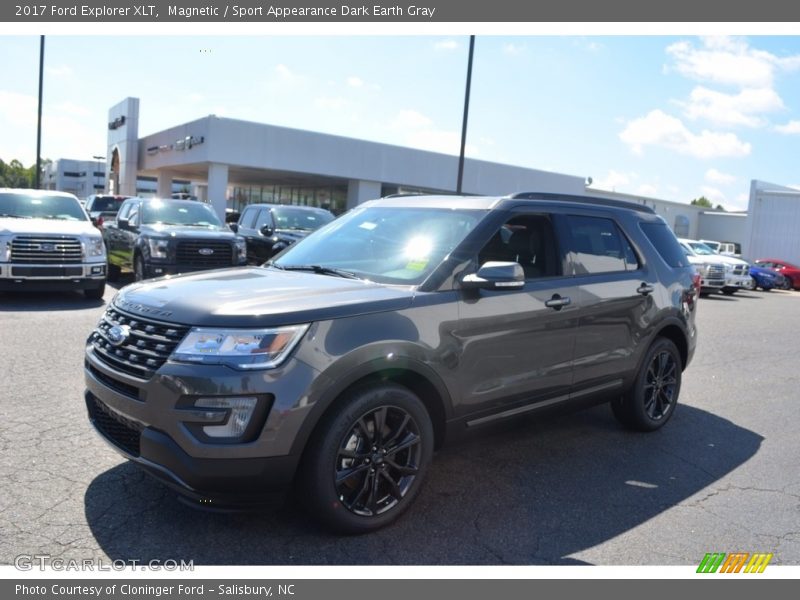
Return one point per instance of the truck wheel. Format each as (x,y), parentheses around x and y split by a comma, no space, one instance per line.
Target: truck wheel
(366,465)
(650,402)
(138,269)
(729,291)
(95,293)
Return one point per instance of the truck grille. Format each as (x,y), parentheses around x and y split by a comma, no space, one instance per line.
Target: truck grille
(716,272)
(204,255)
(741,270)
(121,432)
(46,250)
(147,346)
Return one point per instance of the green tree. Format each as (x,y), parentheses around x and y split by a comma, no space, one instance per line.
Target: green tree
(702,201)
(15,175)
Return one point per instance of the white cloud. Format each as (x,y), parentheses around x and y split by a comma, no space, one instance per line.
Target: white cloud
(790,127)
(716,196)
(446,45)
(410,119)
(662,130)
(729,61)
(73,109)
(718,177)
(330,102)
(513,49)
(611,181)
(647,190)
(732,109)
(355,82)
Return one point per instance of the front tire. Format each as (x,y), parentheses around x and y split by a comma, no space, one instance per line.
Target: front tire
(729,291)
(95,293)
(366,465)
(650,402)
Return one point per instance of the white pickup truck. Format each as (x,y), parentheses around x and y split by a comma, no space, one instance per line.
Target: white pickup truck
(737,271)
(48,242)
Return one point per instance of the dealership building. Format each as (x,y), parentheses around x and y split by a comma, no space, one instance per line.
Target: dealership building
(230,163)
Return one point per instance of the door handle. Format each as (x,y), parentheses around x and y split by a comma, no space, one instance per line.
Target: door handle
(557,302)
(645,289)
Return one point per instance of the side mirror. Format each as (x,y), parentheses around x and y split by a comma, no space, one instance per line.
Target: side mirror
(496,276)
(266,231)
(234,227)
(123,223)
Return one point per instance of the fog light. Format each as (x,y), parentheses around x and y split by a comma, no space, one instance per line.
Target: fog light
(98,270)
(158,270)
(239,409)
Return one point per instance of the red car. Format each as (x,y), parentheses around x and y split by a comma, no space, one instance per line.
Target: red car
(788,270)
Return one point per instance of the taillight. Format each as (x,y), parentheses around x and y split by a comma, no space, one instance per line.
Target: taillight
(100,221)
(696,282)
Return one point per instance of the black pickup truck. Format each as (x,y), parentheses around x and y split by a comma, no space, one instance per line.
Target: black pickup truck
(154,237)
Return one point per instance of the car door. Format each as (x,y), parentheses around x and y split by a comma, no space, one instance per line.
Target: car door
(517,345)
(615,301)
(262,244)
(245,230)
(129,234)
(114,235)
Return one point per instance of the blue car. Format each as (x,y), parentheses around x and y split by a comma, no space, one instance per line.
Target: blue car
(766,279)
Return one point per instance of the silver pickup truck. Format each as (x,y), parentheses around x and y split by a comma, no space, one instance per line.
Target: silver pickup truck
(47,242)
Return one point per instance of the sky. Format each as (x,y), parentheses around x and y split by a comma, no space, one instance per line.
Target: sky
(671,117)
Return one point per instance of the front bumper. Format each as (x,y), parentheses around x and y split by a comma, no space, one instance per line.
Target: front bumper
(51,276)
(742,282)
(149,423)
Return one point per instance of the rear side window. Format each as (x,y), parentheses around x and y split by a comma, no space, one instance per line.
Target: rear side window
(247,218)
(598,246)
(665,243)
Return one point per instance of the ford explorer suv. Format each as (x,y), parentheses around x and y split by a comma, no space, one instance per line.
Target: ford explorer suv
(269,228)
(154,237)
(47,242)
(339,366)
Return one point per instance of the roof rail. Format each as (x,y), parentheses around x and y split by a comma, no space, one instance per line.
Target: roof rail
(581,199)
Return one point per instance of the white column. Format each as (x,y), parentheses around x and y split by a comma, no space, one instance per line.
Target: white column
(218,188)
(164,186)
(359,191)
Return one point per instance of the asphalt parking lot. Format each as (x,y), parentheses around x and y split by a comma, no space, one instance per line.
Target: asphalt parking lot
(566,489)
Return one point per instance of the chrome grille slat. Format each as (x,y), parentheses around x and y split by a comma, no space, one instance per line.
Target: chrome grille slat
(29,249)
(149,345)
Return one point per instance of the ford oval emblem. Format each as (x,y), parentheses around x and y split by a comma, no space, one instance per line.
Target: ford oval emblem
(118,334)
(47,247)
(206,251)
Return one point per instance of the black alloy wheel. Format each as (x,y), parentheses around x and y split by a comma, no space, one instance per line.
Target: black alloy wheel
(377,461)
(651,400)
(366,462)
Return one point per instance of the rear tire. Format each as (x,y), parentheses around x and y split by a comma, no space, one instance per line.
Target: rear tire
(366,464)
(650,402)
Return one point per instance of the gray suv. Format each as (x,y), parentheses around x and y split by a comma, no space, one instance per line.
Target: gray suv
(339,366)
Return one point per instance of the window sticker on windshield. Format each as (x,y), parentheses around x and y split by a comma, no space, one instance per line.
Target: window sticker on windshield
(368,226)
(36,201)
(417,265)
(183,210)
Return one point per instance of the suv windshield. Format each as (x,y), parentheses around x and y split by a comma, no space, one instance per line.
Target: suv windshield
(106,203)
(299,219)
(179,213)
(384,244)
(702,249)
(38,206)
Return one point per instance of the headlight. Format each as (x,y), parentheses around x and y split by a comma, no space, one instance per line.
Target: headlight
(5,248)
(94,246)
(241,249)
(239,348)
(158,248)
(703,269)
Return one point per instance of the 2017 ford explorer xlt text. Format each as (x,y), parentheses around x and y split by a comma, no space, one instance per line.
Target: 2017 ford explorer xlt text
(341,364)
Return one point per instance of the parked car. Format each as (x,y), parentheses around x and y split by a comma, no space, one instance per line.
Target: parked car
(103,207)
(766,279)
(790,271)
(154,237)
(737,271)
(711,271)
(345,361)
(47,242)
(270,228)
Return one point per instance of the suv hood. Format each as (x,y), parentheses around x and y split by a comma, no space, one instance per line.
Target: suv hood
(258,297)
(47,226)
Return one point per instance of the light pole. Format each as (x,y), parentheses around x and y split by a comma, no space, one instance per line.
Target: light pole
(466,114)
(39,117)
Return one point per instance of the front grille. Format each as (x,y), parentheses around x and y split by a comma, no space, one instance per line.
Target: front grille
(741,270)
(120,431)
(147,346)
(716,272)
(204,255)
(120,387)
(46,249)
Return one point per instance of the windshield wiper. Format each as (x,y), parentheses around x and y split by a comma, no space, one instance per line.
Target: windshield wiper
(319,269)
(6,215)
